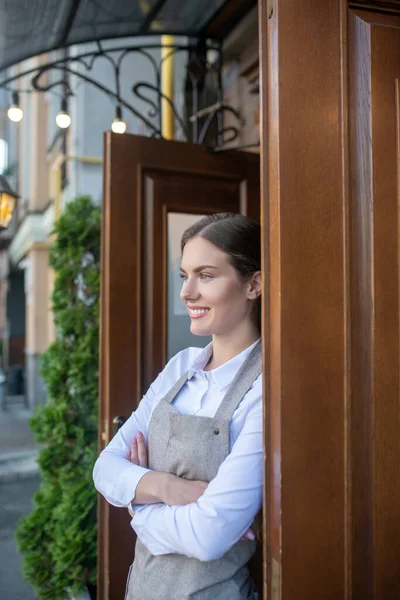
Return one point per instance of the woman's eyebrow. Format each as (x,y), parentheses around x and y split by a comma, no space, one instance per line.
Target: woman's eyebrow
(200,268)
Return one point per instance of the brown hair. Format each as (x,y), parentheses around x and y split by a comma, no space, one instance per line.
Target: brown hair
(236,235)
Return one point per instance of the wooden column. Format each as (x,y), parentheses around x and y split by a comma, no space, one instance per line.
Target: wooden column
(305,212)
(330,189)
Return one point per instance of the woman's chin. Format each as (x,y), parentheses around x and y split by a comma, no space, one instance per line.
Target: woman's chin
(198,329)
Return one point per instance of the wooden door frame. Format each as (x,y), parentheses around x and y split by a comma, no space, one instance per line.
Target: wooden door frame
(304,195)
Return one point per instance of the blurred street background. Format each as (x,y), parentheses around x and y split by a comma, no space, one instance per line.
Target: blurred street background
(158,71)
(19,481)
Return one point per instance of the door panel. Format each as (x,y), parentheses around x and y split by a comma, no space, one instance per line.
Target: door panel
(374,217)
(144,181)
(165,192)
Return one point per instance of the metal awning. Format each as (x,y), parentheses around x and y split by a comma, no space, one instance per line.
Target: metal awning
(32,27)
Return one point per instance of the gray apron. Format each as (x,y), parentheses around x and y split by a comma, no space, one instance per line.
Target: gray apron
(194,447)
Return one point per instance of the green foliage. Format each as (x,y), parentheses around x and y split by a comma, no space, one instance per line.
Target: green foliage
(58,539)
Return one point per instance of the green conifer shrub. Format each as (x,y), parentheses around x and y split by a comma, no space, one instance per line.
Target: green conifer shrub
(58,539)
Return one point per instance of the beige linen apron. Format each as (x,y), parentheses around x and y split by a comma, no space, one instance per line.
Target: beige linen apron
(194,447)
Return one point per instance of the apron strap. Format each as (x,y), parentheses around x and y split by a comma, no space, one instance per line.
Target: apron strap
(176,388)
(250,370)
(242,382)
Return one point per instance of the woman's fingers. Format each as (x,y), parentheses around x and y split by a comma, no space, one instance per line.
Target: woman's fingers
(134,457)
(142,451)
(248,535)
(137,452)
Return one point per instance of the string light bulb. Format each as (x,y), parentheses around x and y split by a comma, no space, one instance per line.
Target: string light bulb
(15,113)
(63,118)
(118,125)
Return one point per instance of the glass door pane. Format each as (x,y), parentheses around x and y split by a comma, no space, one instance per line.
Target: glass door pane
(178,324)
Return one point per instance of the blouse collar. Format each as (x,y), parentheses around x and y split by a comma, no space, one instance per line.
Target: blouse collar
(223,375)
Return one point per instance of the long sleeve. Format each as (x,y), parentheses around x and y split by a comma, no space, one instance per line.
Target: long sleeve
(208,528)
(115,477)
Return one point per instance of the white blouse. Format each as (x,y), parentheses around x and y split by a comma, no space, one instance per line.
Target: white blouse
(208,528)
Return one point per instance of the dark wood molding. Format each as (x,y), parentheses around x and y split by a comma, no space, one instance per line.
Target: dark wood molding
(228,16)
(265,303)
(386,6)
(251,72)
(361,308)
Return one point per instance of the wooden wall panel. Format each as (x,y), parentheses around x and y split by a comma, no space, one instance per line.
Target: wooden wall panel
(385,68)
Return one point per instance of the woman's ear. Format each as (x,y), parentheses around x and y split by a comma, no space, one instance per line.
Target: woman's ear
(255,286)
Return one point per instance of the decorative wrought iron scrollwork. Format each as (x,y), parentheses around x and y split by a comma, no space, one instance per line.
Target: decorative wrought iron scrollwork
(200,121)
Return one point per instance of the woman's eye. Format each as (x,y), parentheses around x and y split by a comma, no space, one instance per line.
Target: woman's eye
(183,277)
(204,276)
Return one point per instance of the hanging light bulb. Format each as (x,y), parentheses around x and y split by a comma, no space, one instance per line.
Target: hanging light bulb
(63,119)
(118,125)
(15,113)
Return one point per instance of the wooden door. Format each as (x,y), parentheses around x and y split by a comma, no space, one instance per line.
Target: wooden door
(330,197)
(145,180)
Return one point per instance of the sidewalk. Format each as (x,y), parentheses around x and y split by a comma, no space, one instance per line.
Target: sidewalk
(18,450)
(19,480)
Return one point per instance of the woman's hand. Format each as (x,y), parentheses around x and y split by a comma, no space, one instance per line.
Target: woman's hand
(137,452)
(178,491)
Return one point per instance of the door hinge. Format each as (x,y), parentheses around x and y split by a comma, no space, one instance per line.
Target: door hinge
(105,434)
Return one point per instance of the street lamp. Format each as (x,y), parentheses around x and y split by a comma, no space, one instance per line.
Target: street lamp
(7,202)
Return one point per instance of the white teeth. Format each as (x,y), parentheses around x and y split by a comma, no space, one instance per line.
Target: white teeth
(198,311)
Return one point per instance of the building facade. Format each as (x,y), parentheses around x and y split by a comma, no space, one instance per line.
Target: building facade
(49,166)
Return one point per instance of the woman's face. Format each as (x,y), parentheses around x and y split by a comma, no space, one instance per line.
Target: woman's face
(217,299)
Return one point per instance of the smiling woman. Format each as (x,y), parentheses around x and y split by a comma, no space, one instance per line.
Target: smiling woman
(188,463)
(230,245)
(220,302)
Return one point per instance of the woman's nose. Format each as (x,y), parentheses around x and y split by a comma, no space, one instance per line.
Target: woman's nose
(189,290)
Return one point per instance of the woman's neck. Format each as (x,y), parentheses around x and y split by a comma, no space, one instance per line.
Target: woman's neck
(228,346)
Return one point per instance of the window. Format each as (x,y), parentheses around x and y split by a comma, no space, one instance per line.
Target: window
(3,156)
